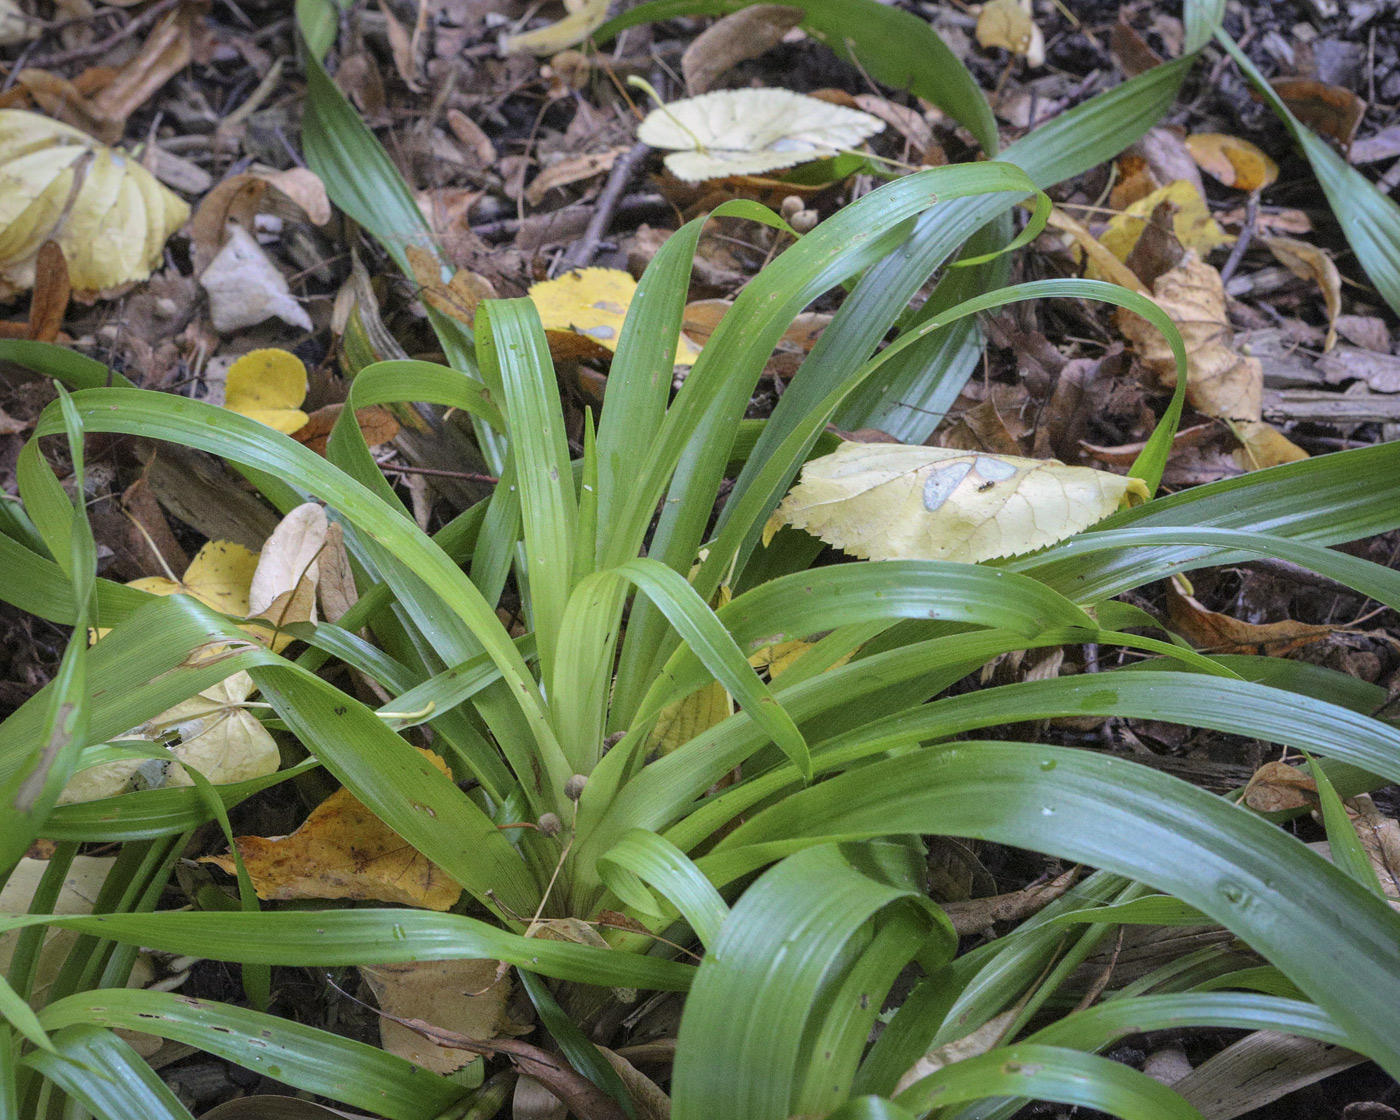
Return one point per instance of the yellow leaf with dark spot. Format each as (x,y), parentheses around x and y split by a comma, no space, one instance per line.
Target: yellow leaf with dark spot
(1192,223)
(219,576)
(885,501)
(583,312)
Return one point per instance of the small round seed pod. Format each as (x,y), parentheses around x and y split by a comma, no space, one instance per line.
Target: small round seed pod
(790,206)
(550,824)
(804,221)
(573,788)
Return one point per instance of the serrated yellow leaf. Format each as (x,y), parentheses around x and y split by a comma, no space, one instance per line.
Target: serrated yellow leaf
(108,214)
(885,501)
(750,131)
(583,312)
(1192,223)
(268,386)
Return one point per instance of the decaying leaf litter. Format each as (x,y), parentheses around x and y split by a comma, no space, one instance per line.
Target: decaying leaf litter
(159,218)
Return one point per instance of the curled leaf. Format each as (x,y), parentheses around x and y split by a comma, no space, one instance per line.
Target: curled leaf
(892,502)
(1308,262)
(750,131)
(1007,24)
(106,212)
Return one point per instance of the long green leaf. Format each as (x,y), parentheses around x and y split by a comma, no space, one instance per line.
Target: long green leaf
(1246,874)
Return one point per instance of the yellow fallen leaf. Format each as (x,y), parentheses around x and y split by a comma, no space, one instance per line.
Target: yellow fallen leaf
(583,312)
(108,214)
(683,720)
(583,19)
(1232,161)
(778,659)
(1219,380)
(1308,262)
(1262,445)
(750,131)
(1007,24)
(885,501)
(342,850)
(219,576)
(1103,265)
(268,386)
(465,996)
(212,731)
(1192,223)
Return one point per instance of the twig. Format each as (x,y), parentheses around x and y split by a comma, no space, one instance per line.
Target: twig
(77,54)
(582,251)
(1251,213)
(467,476)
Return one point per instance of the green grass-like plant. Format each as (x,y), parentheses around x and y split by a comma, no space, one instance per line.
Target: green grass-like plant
(799,888)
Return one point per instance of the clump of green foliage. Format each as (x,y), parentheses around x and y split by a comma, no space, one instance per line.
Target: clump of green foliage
(784,905)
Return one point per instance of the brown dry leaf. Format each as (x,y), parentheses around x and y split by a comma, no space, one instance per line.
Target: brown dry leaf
(238,198)
(1308,262)
(736,38)
(1008,24)
(1130,50)
(167,50)
(49,302)
(457,298)
(1380,837)
(471,137)
(1276,787)
(465,996)
(1330,110)
(1133,180)
(337,591)
(1220,381)
(401,47)
(977,915)
(342,850)
(1232,161)
(571,170)
(1214,632)
(377,425)
(16,26)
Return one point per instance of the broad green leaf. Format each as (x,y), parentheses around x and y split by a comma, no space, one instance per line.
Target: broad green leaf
(1155,829)
(312,1060)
